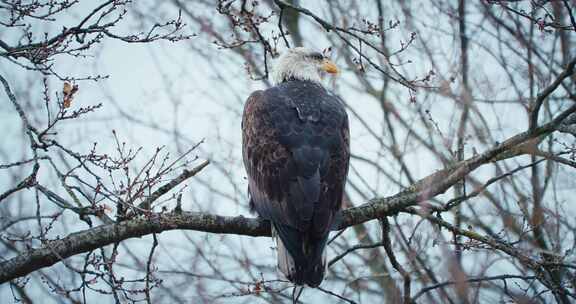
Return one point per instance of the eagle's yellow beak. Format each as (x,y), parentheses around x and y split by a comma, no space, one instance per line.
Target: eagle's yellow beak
(329,67)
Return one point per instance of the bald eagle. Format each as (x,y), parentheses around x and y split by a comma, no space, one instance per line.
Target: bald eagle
(295,146)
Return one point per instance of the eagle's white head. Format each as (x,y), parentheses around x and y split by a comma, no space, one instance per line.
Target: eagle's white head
(302,64)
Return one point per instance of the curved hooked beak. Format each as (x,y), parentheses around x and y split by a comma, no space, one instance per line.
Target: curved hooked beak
(329,67)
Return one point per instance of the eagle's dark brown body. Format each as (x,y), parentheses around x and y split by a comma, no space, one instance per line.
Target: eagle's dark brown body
(296,153)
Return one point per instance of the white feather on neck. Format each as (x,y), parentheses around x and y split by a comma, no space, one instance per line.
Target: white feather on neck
(294,65)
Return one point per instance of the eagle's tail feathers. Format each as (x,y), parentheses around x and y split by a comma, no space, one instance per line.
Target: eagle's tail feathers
(304,268)
(316,263)
(285,261)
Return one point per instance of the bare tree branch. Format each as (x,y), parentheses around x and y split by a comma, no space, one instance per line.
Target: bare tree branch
(94,238)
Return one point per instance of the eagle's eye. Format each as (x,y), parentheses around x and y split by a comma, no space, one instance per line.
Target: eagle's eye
(315,56)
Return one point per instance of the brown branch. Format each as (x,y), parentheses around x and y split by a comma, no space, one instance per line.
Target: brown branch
(97,237)
(568,71)
(91,239)
(336,295)
(572,19)
(352,249)
(473,280)
(339,30)
(387,242)
(173,183)
(533,264)
(24,184)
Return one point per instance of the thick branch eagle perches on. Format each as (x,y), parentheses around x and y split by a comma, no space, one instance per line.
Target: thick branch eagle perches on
(296,150)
